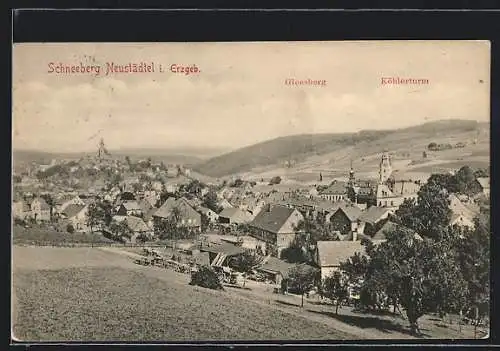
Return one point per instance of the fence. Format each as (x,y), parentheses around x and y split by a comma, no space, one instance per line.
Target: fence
(90,244)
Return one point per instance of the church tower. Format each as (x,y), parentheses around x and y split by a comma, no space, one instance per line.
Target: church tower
(101,151)
(352,179)
(385,167)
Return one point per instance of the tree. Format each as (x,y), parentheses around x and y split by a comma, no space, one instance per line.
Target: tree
(302,278)
(193,188)
(237,183)
(172,227)
(432,146)
(50,201)
(474,261)
(205,222)
(206,277)
(482,172)
(315,229)
(95,216)
(335,287)
(70,229)
(120,230)
(467,181)
(275,180)
(211,201)
(245,262)
(421,274)
(430,214)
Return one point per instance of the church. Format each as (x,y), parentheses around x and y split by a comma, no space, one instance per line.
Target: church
(387,191)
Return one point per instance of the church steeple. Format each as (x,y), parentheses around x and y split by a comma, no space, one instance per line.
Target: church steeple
(352,178)
(385,167)
(101,151)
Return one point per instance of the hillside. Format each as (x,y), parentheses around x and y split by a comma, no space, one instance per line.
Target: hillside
(338,149)
(167,156)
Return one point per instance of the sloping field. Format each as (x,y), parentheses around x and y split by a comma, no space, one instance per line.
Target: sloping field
(93,295)
(111,303)
(99,294)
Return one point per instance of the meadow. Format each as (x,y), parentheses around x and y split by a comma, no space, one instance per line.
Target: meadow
(99,294)
(112,303)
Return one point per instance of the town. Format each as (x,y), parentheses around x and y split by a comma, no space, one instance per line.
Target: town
(268,234)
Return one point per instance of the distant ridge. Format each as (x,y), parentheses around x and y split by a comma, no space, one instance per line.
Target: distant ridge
(187,156)
(299,147)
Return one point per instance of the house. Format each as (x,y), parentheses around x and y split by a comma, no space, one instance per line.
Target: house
(484,183)
(276,225)
(212,216)
(77,215)
(275,269)
(65,200)
(234,216)
(151,196)
(373,218)
(345,219)
(21,209)
(136,225)
(466,211)
(337,191)
(40,210)
(251,205)
(365,192)
(225,204)
(188,216)
(172,171)
(157,186)
(390,227)
(148,217)
(392,195)
(221,254)
(129,208)
(329,255)
(462,221)
(145,206)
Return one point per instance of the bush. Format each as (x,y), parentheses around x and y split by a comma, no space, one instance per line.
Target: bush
(19,221)
(275,180)
(206,277)
(70,229)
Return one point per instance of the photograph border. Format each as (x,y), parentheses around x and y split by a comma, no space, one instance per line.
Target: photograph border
(34,25)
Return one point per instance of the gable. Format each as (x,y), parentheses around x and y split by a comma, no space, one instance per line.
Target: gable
(291,223)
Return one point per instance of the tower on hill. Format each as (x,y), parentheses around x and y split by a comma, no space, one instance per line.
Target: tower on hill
(101,150)
(385,169)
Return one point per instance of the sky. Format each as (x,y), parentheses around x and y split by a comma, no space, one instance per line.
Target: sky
(239,96)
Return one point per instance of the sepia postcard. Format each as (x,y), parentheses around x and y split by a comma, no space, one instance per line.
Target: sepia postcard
(250,191)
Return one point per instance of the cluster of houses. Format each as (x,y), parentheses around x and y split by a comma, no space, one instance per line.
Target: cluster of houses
(269,214)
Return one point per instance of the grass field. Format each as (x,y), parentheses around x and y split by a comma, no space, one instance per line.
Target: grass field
(99,294)
(116,304)
(45,236)
(448,166)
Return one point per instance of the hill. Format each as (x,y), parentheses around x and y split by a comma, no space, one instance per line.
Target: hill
(185,156)
(323,149)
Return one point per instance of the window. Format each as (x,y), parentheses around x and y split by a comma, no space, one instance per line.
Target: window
(392,203)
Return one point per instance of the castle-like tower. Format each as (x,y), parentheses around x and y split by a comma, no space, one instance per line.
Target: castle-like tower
(101,149)
(385,168)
